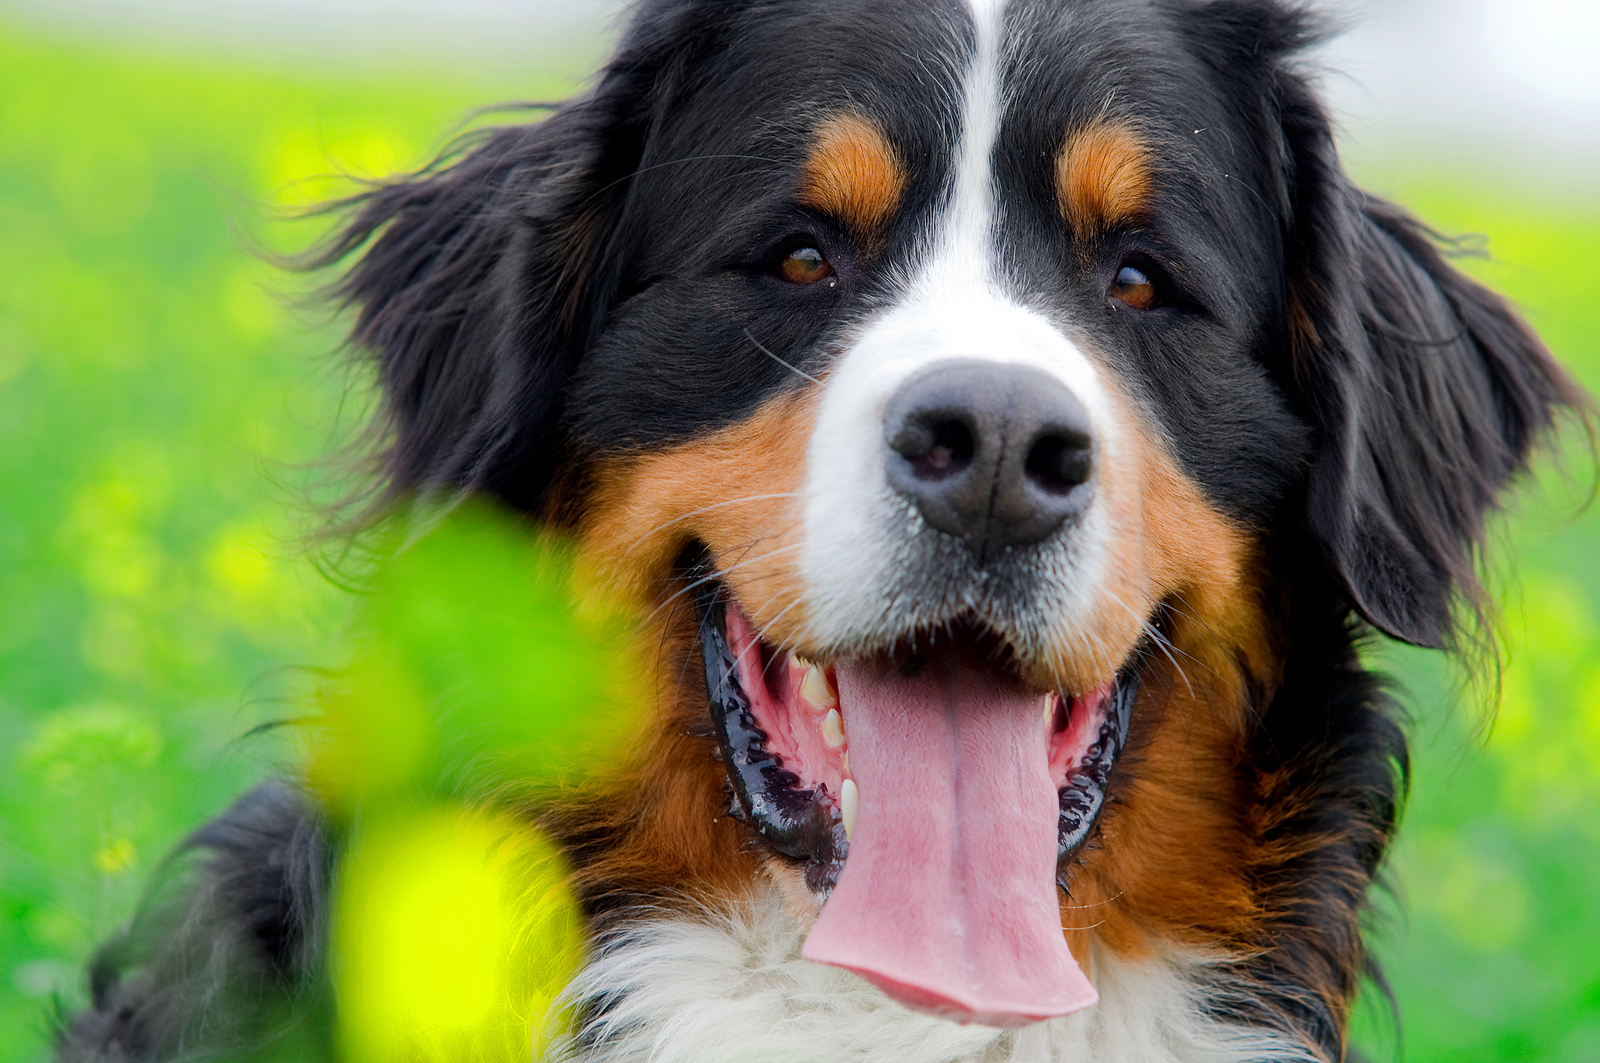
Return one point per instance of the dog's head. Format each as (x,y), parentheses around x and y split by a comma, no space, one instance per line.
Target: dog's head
(983,395)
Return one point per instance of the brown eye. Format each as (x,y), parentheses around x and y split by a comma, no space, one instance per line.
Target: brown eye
(1133,287)
(804,265)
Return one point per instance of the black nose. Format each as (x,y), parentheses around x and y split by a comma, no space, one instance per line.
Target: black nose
(996,455)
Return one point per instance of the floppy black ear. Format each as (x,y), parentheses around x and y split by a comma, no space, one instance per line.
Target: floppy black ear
(472,300)
(1427,390)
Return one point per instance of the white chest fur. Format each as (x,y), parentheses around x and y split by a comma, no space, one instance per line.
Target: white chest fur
(721,989)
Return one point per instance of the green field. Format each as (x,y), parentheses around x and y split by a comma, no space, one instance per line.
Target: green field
(160,401)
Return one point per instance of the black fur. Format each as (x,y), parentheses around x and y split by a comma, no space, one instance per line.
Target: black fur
(597,281)
(1427,391)
(224,957)
(1330,769)
(601,280)
(557,289)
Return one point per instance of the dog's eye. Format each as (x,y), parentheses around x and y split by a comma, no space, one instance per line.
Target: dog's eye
(1133,287)
(804,265)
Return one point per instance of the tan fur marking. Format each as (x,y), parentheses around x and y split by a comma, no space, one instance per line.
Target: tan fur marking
(661,819)
(1175,853)
(1172,866)
(1173,546)
(654,828)
(1103,177)
(853,173)
(735,490)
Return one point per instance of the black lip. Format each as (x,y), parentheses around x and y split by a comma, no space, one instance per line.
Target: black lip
(800,824)
(1084,796)
(804,825)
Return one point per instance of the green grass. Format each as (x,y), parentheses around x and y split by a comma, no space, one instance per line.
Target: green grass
(1494,948)
(158,403)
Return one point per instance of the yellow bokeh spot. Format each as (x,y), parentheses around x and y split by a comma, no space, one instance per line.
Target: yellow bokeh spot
(306,169)
(1560,624)
(115,856)
(238,560)
(107,528)
(1518,719)
(453,933)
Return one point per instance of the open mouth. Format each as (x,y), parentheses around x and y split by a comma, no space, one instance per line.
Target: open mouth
(935,799)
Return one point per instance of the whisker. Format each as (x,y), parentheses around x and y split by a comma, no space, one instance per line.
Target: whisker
(780,361)
(1211,633)
(1096,904)
(762,634)
(715,505)
(703,580)
(1249,188)
(1171,652)
(1161,641)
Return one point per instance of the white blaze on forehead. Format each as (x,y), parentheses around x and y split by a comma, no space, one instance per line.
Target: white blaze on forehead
(965,252)
(857,529)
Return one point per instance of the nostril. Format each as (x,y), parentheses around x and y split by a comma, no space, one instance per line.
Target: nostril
(992,454)
(935,448)
(1059,461)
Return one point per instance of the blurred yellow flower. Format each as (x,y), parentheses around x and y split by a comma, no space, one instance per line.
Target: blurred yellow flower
(453,935)
(115,857)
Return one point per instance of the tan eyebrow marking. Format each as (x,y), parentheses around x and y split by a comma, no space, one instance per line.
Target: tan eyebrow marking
(853,173)
(1103,176)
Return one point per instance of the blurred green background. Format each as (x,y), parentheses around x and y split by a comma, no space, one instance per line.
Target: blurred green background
(161,402)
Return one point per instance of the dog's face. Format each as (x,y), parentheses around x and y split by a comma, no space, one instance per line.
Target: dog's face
(981,397)
(1053,282)
(949,397)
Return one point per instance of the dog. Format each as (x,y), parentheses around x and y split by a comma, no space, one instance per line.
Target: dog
(1010,421)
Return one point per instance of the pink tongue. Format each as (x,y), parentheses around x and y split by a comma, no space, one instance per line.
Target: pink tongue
(947,901)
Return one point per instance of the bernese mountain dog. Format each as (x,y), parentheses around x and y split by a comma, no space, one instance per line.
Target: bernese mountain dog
(1009,420)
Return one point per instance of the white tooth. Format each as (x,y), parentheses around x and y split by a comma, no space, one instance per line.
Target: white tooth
(849,805)
(816,689)
(795,662)
(833,729)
